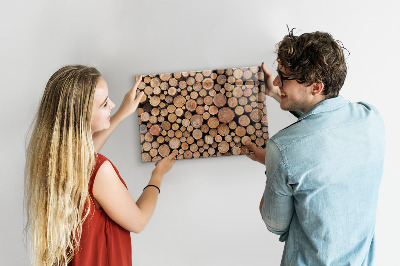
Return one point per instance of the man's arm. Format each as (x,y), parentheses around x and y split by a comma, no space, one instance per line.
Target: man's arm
(276,211)
(276,205)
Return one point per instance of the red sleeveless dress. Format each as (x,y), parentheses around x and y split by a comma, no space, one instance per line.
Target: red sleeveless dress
(103,241)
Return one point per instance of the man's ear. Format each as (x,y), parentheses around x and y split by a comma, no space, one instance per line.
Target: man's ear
(317,88)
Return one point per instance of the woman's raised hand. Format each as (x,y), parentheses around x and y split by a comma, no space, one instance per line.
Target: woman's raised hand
(131,100)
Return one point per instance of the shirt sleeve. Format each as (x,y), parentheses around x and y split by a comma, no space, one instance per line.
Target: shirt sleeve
(277,209)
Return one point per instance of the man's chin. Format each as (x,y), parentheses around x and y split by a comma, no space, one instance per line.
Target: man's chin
(285,108)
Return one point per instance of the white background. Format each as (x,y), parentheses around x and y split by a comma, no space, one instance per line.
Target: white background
(208,208)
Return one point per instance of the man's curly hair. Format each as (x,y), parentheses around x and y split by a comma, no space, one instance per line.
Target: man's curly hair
(314,57)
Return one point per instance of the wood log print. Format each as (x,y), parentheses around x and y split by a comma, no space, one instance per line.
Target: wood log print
(202,113)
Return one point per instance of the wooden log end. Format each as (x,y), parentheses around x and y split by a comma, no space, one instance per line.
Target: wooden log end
(226,115)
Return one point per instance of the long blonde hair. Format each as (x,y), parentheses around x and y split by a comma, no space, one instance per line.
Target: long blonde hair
(59,162)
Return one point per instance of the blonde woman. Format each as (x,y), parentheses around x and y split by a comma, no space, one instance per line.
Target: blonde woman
(78,207)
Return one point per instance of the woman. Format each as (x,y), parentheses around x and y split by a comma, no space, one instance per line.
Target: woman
(78,207)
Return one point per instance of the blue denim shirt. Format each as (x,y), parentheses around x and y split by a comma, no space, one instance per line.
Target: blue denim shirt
(323,175)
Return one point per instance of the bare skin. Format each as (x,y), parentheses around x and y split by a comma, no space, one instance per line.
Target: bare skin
(108,190)
(128,107)
(117,202)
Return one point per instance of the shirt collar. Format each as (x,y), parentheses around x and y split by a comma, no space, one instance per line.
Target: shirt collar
(325,106)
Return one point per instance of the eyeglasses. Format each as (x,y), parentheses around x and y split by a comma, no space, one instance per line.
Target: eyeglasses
(282,78)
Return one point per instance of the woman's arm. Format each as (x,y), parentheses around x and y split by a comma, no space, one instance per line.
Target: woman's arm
(116,201)
(128,106)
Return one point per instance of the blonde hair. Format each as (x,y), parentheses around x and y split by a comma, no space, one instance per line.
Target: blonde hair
(59,161)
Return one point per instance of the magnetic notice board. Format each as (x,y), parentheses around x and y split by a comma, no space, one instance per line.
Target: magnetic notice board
(202,113)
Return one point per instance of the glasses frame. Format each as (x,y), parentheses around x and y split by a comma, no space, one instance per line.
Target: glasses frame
(282,78)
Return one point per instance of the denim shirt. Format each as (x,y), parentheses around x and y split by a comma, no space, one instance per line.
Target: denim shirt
(323,175)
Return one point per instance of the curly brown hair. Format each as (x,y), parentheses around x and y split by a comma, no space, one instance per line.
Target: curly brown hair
(314,57)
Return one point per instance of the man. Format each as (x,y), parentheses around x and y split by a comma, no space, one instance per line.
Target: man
(323,171)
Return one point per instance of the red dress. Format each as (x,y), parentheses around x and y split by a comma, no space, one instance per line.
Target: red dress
(103,241)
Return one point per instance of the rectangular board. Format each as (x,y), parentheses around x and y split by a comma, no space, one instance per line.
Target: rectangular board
(202,113)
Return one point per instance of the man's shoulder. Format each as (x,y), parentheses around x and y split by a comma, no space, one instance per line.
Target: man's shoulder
(320,123)
(288,135)
(367,108)
(366,113)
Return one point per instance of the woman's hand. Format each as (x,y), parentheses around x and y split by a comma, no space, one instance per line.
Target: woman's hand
(270,89)
(164,165)
(128,106)
(131,101)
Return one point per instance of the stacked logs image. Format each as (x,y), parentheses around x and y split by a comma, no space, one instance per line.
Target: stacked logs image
(202,113)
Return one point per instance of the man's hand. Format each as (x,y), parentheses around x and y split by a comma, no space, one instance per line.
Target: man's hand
(259,153)
(270,89)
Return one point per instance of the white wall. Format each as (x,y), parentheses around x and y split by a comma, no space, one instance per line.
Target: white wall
(208,208)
